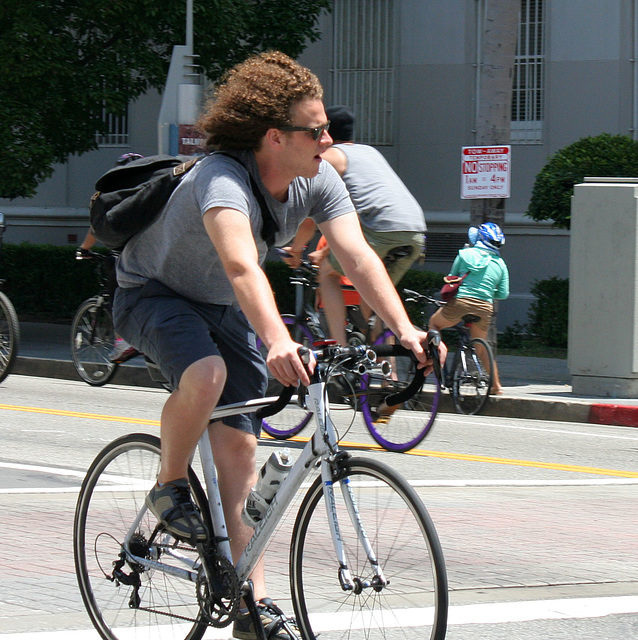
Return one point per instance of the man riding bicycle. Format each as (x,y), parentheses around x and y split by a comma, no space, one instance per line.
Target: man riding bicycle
(192,292)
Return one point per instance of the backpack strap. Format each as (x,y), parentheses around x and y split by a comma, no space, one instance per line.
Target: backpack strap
(269,223)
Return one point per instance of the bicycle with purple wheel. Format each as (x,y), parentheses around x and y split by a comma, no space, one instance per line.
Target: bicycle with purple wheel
(398,427)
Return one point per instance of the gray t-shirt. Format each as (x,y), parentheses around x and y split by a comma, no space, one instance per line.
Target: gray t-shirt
(177,251)
(381,199)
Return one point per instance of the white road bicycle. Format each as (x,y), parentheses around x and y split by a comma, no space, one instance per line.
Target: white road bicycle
(365,559)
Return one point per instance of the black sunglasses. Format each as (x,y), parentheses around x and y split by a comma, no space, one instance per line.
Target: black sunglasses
(315,132)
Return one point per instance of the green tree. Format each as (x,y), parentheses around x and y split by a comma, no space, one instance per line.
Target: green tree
(604,155)
(63,61)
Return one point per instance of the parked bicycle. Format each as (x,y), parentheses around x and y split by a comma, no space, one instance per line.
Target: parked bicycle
(467,373)
(93,334)
(396,430)
(9,325)
(365,560)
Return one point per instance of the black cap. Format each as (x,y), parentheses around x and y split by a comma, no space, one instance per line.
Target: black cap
(341,123)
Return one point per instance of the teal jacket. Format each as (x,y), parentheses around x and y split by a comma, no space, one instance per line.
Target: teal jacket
(488,275)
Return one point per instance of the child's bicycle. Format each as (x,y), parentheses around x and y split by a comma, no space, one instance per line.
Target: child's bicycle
(400,429)
(365,561)
(93,334)
(467,373)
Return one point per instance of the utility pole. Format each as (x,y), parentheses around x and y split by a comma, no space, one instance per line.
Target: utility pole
(496,35)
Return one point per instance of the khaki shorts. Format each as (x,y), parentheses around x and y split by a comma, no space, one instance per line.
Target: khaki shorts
(383,242)
(456,308)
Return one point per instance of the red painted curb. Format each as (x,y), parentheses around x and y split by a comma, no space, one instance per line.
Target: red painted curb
(613,414)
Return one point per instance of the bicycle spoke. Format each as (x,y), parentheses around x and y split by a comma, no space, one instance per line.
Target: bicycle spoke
(92,340)
(403,427)
(407,598)
(125,598)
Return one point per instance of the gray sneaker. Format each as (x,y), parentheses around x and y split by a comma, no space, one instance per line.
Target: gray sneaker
(173,506)
(273,620)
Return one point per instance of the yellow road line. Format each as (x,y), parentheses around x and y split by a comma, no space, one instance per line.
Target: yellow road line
(78,414)
(356,445)
(489,459)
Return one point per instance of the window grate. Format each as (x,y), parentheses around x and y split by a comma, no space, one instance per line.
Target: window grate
(528,97)
(364,66)
(117,129)
(443,247)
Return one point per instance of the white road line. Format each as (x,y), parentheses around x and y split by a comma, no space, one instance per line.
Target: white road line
(59,471)
(124,483)
(508,425)
(490,613)
(501,613)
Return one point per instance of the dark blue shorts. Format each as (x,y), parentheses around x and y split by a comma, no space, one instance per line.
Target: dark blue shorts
(175,332)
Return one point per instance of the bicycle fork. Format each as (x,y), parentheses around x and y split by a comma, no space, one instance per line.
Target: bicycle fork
(333,469)
(348,583)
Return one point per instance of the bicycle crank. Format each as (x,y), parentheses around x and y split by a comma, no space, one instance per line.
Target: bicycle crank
(218,590)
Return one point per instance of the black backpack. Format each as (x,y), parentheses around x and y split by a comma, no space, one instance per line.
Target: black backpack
(129,198)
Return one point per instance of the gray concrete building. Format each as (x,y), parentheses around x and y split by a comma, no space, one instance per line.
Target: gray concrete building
(409,69)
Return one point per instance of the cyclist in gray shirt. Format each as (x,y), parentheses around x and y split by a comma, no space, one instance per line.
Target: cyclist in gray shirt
(391,219)
(193,293)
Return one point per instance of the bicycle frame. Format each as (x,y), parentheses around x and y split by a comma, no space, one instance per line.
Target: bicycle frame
(461,354)
(322,445)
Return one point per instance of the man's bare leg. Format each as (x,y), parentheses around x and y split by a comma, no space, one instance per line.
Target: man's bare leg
(186,414)
(333,304)
(234,452)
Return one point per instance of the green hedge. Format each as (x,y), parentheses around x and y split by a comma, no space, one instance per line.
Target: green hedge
(47,283)
(602,155)
(549,311)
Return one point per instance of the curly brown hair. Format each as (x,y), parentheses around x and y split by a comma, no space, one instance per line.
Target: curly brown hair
(256,95)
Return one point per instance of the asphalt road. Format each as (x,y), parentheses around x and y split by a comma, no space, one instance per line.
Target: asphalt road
(537,519)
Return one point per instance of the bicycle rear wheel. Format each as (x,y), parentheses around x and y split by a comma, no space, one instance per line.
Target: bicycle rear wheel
(472,377)
(92,340)
(124,600)
(404,428)
(9,336)
(412,603)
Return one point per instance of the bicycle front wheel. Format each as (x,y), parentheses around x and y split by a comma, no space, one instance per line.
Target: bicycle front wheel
(403,428)
(472,377)
(9,336)
(92,340)
(409,600)
(124,599)
(294,418)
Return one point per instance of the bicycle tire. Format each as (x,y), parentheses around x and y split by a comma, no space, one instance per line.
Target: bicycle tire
(9,336)
(409,424)
(294,418)
(92,340)
(111,498)
(413,603)
(471,381)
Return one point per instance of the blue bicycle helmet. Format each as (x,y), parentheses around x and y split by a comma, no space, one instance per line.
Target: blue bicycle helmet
(488,236)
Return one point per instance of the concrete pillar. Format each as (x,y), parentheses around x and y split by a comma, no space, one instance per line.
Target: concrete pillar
(603,296)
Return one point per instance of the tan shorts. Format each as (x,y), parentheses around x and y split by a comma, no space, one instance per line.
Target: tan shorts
(456,308)
(383,242)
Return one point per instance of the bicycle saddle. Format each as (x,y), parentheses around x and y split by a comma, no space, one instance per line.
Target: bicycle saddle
(470,317)
(397,253)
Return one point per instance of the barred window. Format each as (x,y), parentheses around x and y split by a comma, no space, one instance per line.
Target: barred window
(529,80)
(363,62)
(117,129)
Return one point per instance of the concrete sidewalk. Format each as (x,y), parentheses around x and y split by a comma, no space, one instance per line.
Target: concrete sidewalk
(535,388)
